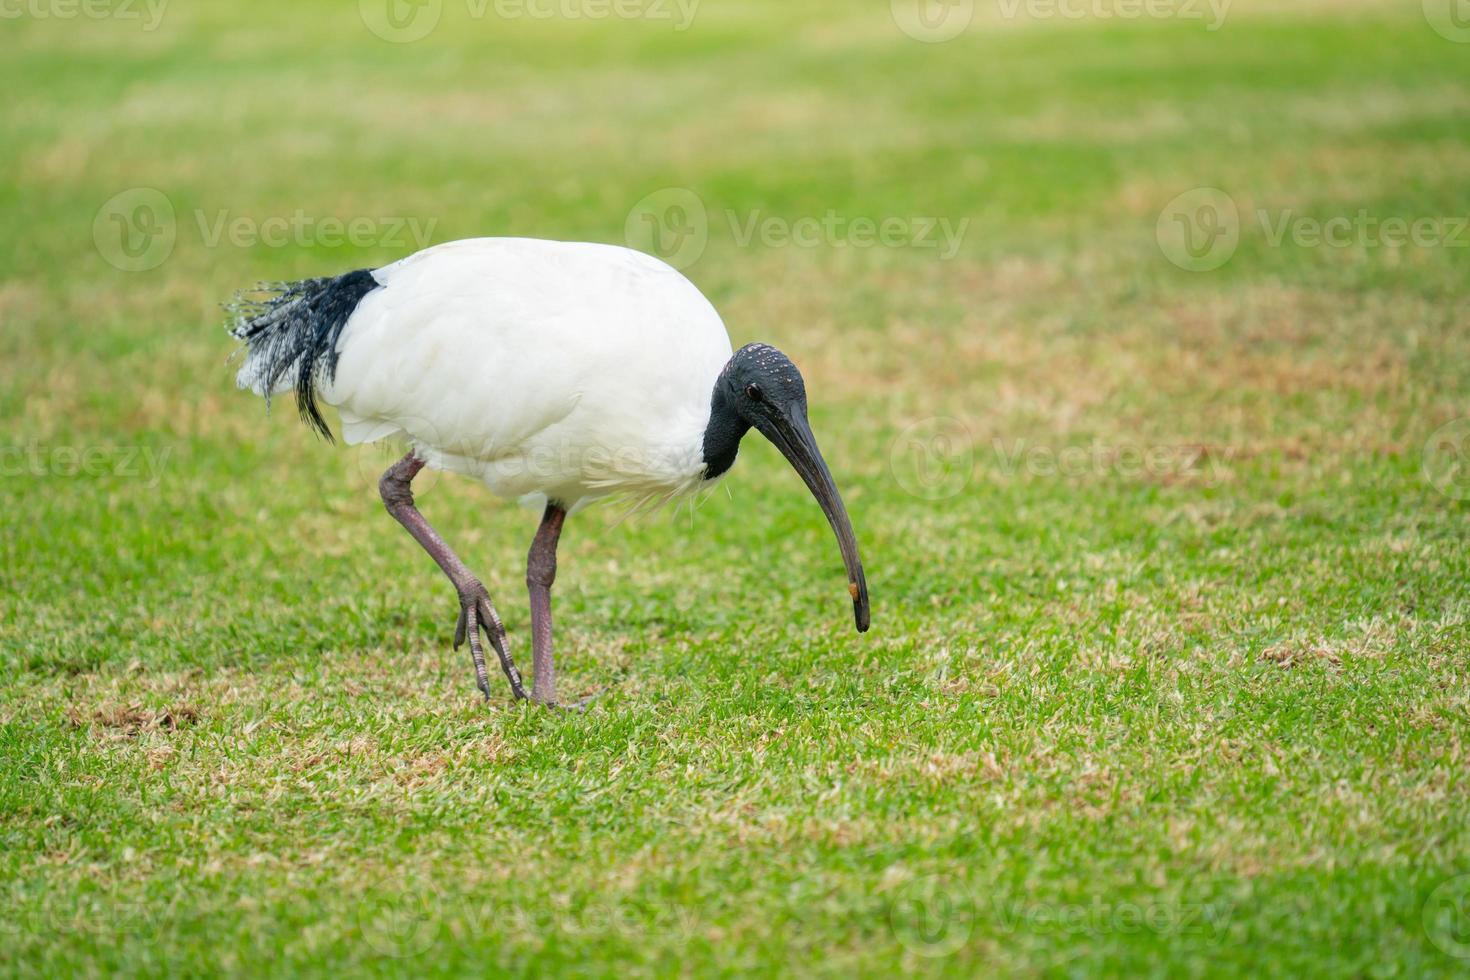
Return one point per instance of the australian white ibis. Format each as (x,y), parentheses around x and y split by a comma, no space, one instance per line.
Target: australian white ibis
(559,372)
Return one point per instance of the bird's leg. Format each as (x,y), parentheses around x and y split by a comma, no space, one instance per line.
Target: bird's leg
(540,574)
(475,609)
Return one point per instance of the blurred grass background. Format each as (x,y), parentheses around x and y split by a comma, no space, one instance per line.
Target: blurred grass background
(1223,695)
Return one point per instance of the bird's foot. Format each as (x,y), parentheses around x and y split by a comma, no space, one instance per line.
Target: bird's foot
(477,613)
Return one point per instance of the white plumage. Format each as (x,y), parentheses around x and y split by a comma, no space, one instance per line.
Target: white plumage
(512,360)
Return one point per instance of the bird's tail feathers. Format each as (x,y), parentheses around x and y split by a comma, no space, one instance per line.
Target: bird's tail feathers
(290,332)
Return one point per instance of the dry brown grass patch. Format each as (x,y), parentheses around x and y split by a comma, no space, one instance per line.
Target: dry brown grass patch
(1291,654)
(131,720)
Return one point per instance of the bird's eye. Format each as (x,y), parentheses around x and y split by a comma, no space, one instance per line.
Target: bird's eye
(753,393)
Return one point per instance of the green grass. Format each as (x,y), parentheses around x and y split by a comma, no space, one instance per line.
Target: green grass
(1207,716)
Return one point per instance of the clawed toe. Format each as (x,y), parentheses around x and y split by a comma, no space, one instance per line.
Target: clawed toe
(459,628)
(476,613)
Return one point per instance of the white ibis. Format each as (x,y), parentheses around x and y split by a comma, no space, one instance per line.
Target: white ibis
(559,372)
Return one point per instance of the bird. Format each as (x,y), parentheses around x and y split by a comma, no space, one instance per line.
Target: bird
(556,373)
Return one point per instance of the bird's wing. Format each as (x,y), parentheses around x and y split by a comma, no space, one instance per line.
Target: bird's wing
(487,348)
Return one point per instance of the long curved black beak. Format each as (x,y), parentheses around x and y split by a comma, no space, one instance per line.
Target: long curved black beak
(792,434)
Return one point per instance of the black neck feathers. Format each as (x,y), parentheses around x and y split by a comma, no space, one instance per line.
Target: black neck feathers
(723,434)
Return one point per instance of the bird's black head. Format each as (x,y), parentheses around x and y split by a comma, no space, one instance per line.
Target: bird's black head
(760,388)
(760,381)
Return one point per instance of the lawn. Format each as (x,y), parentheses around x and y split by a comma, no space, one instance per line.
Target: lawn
(1139,346)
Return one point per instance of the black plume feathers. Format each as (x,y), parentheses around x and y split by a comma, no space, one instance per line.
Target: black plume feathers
(294,326)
